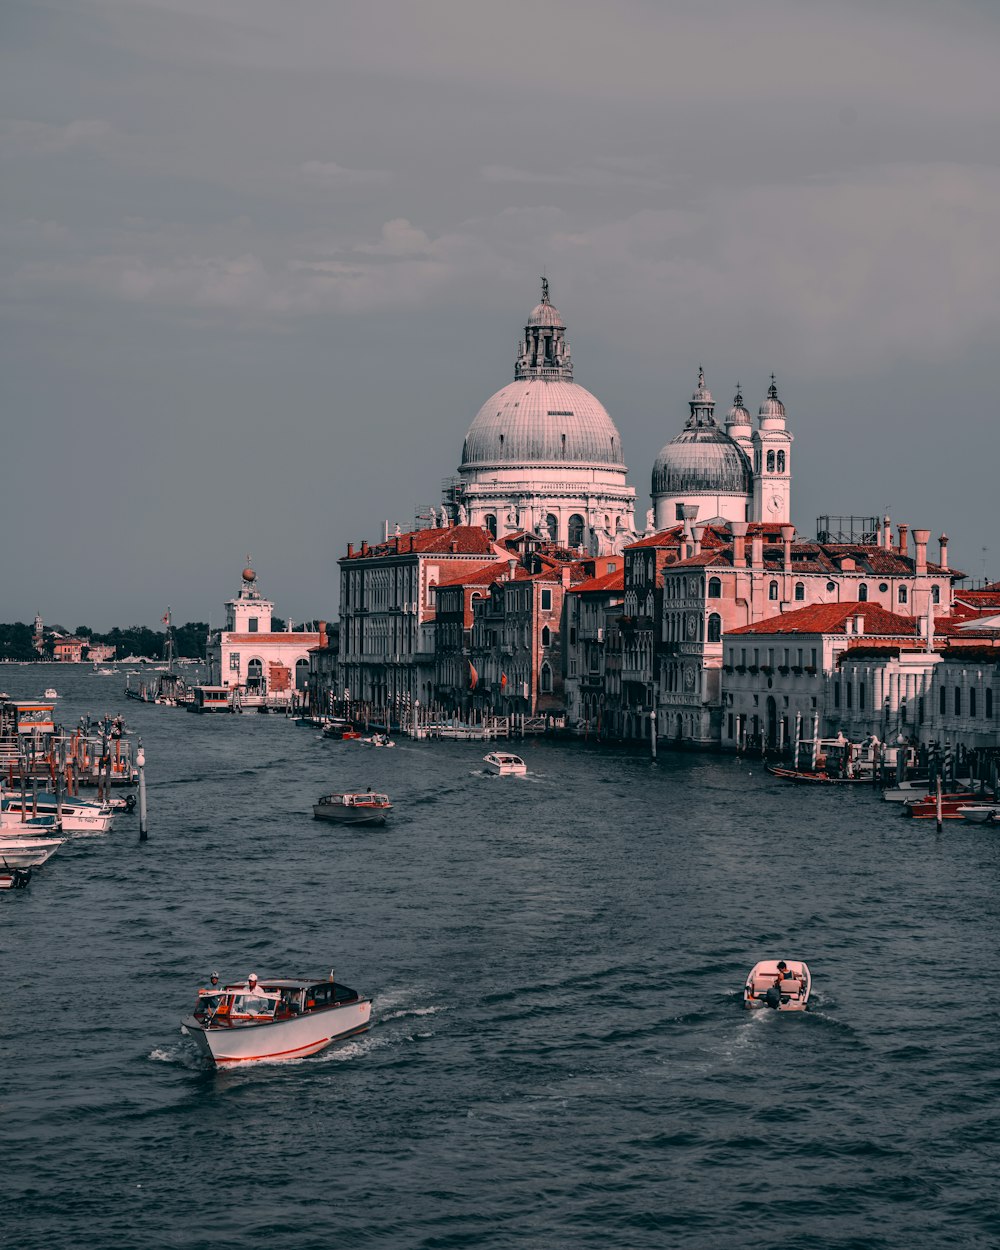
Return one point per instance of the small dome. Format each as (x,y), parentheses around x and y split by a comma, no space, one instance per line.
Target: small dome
(249,575)
(739,414)
(772,406)
(538,421)
(546,314)
(702,459)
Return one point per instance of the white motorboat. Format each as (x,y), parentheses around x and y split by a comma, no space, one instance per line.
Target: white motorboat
(503,764)
(51,694)
(78,815)
(378,740)
(27,852)
(12,825)
(981,813)
(779,984)
(353,808)
(275,1019)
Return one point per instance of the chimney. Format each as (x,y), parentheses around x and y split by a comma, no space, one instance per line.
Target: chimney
(903,531)
(696,533)
(943,560)
(886,533)
(757,551)
(565,576)
(738,529)
(920,539)
(787,535)
(395,542)
(350,550)
(511,569)
(454,546)
(689,512)
(364,547)
(322,633)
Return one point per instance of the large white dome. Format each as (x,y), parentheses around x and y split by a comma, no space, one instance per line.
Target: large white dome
(540,421)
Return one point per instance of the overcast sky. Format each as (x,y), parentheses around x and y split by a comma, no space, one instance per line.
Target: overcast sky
(262,264)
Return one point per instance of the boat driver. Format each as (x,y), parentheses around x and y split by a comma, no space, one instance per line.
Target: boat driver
(784,972)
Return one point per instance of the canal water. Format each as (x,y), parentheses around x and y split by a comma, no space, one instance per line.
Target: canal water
(558,1055)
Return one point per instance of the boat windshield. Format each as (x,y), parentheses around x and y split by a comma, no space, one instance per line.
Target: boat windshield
(254,1004)
(208,1004)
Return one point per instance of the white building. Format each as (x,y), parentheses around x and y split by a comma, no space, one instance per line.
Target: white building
(736,474)
(248,655)
(544,455)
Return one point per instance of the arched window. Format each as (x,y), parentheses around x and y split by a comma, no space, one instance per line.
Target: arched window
(607,522)
(490,521)
(863,593)
(301,673)
(770,462)
(772,590)
(714,588)
(715,628)
(756,465)
(935,593)
(255,675)
(546,636)
(545,679)
(781,462)
(552,525)
(902,594)
(576,526)
(800,591)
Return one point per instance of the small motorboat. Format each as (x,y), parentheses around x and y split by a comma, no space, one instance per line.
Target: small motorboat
(782,989)
(27,852)
(78,815)
(353,808)
(925,808)
(981,813)
(818,778)
(503,764)
(51,694)
(274,1019)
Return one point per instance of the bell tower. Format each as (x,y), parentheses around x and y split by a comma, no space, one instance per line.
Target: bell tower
(772,465)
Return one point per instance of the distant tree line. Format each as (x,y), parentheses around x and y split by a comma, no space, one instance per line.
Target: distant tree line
(17,639)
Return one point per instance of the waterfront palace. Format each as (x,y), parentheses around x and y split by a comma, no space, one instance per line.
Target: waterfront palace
(533,592)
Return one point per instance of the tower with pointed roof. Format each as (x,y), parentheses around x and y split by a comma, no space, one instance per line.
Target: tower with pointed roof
(772,462)
(543,454)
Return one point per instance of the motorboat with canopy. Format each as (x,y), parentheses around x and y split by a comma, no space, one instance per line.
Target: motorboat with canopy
(353,808)
(274,1019)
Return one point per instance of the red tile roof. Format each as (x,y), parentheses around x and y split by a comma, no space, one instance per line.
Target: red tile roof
(468,540)
(831,618)
(610,581)
(486,575)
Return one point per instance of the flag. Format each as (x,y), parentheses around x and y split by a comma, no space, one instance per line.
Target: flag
(503,681)
(473,677)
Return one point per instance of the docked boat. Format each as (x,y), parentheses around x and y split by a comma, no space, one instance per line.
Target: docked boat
(981,813)
(925,808)
(503,764)
(353,808)
(15,826)
(275,1019)
(779,984)
(27,852)
(818,778)
(75,815)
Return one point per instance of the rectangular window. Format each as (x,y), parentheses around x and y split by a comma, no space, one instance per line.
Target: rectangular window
(861,697)
(234,661)
(546,600)
(572,635)
(972,702)
(813,660)
(944,700)
(989,703)
(729,726)
(958,700)
(836,694)
(850,692)
(252,625)
(920,710)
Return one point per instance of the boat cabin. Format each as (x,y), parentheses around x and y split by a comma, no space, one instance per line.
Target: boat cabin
(210,699)
(267,1002)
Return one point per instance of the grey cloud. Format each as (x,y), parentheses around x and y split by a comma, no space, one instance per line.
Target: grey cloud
(330,175)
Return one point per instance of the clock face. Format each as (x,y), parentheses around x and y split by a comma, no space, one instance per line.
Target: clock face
(774,503)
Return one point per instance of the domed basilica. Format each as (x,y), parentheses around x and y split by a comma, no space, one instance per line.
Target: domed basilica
(544,455)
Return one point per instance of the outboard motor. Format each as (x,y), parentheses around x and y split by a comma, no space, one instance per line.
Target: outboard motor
(773,997)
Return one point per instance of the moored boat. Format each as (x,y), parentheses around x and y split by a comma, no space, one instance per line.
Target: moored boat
(353,808)
(73,814)
(504,764)
(27,852)
(981,813)
(783,985)
(925,808)
(805,777)
(275,1019)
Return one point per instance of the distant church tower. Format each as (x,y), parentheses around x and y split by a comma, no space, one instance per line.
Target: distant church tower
(38,638)
(772,465)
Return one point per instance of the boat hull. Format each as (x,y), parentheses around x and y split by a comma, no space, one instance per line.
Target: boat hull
(981,814)
(348,815)
(762,988)
(27,853)
(816,779)
(279,1040)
